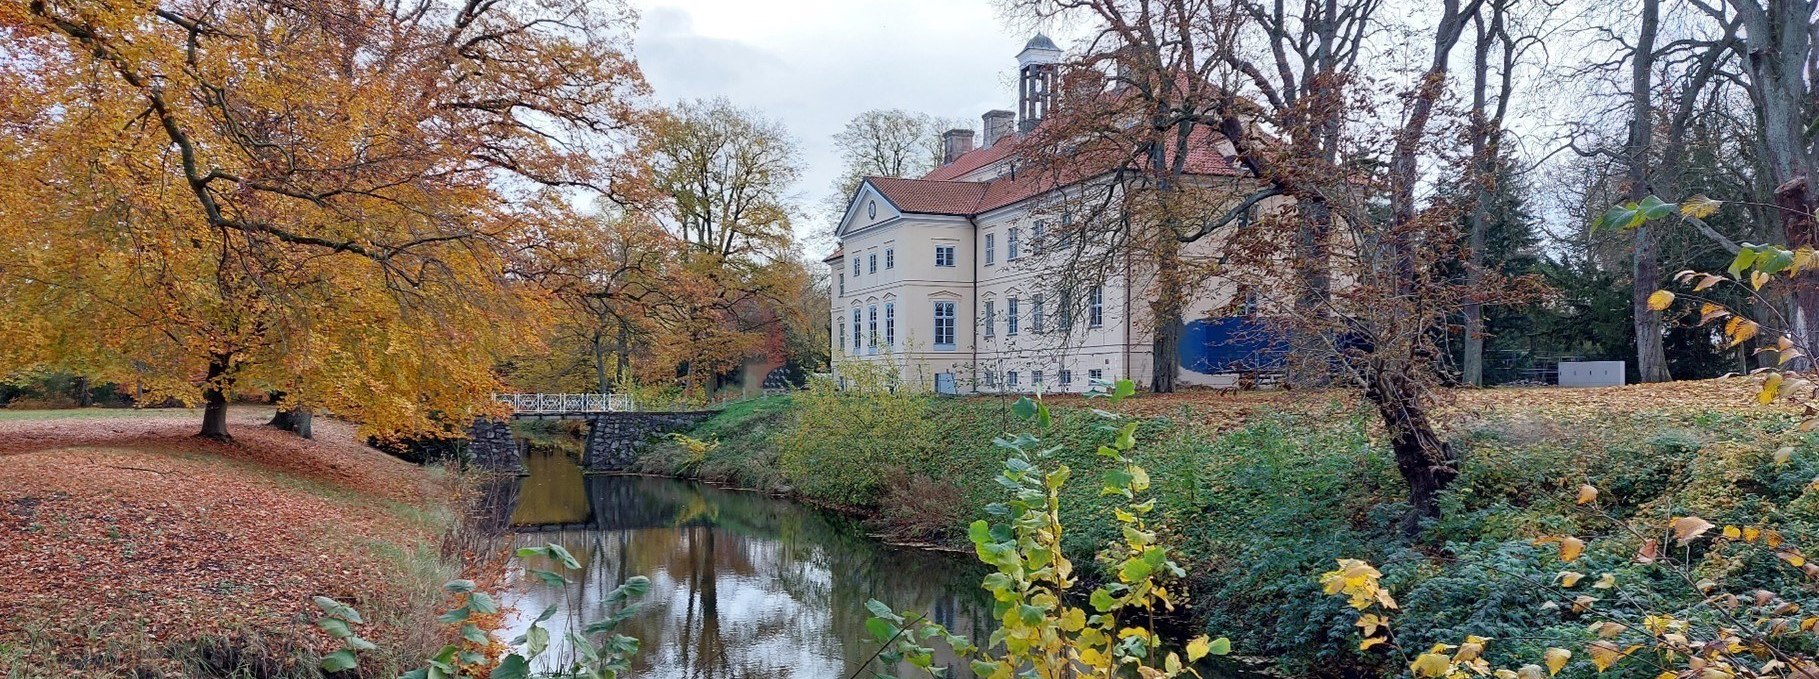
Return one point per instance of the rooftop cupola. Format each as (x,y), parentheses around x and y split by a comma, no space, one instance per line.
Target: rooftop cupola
(1037,69)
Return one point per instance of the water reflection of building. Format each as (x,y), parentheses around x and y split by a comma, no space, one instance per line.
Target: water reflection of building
(743,585)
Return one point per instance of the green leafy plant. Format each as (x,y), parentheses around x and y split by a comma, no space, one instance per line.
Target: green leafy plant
(1041,633)
(602,652)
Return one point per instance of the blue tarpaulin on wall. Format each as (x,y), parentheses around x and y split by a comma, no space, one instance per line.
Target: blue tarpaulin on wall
(1227,345)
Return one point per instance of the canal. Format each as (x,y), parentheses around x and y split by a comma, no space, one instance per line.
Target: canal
(742,584)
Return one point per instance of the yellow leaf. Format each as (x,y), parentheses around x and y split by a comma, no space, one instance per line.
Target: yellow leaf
(1709,312)
(1430,665)
(1750,533)
(1758,279)
(1688,527)
(1739,330)
(1197,648)
(1371,641)
(1706,281)
(1570,548)
(1699,207)
(1606,581)
(1781,456)
(1583,603)
(1556,659)
(1733,532)
(1530,671)
(1660,300)
(1771,387)
(1607,629)
(1587,494)
(1569,578)
(1073,620)
(1604,654)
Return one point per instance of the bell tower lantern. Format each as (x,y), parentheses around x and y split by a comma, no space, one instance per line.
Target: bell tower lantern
(1037,71)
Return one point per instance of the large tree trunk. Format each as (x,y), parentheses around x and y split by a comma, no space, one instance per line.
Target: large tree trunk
(1651,357)
(601,384)
(1166,313)
(294,419)
(214,399)
(1313,261)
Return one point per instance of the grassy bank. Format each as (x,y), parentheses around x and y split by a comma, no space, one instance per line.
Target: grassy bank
(133,549)
(1259,503)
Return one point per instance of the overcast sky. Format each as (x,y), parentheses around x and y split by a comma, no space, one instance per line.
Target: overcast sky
(814,64)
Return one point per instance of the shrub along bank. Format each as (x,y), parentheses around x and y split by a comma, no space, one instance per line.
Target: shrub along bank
(1258,511)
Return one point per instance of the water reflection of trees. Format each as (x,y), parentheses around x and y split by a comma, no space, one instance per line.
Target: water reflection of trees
(743,585)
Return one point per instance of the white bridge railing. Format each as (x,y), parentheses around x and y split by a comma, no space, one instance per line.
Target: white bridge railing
(568,403)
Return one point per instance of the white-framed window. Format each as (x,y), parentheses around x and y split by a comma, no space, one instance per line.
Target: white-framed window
(1036,319)
(890,258)
(944,255)
(858,332)
(842,283)
(989,318)
(1035,378)
(991,248)
(1038,234)
(1013,244)
(841,333)
(871,263)
(1064,320)
(890,324)
(1010,379)
(1095,374)
(855,265)
(871,330)
(1066,238)
(1095,307)
(1066,377)
(944,325)
(991,378)
(1010,316)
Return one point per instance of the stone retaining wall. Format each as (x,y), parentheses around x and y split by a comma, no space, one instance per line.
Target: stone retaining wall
(613,439)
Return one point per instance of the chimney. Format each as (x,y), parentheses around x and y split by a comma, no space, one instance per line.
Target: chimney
(955,143)
(997,126)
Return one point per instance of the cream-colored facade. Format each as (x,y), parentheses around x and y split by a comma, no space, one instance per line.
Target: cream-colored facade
(954,282)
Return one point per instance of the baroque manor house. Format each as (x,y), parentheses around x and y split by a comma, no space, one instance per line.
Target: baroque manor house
(946,281)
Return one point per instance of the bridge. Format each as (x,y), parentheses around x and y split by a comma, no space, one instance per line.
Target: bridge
(557,404)
(616,429)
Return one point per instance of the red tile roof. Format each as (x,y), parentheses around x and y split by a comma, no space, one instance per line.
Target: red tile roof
(838,253)
(937,193)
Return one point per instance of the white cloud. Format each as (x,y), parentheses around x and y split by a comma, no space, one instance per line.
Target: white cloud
(814,64)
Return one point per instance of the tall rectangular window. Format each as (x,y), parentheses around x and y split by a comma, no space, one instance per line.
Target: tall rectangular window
(1095,307)
(858,332)
(1066,377)
(871,330)
(991,248)
(855,265)
(944,255)
(1010,379)
(1010,316)
(1013,242)
(890,324)
(1065,322)
(944,325)
(1035,378)
(990,318)
(1037,235)
(1036,313)
(841,333)
(842,283)
(890,258)
(871,263)
(991,378)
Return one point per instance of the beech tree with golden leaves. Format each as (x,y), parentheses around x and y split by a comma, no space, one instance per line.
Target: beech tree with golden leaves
(324,200)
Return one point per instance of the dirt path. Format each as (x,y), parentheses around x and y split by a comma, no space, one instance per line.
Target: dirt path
(124,540)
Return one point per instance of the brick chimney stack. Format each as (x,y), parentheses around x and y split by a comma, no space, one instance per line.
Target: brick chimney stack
(955,143)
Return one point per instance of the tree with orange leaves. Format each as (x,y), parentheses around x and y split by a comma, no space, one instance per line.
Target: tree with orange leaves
(326,199)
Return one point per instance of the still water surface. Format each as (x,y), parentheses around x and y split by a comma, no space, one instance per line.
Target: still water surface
(742,584)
